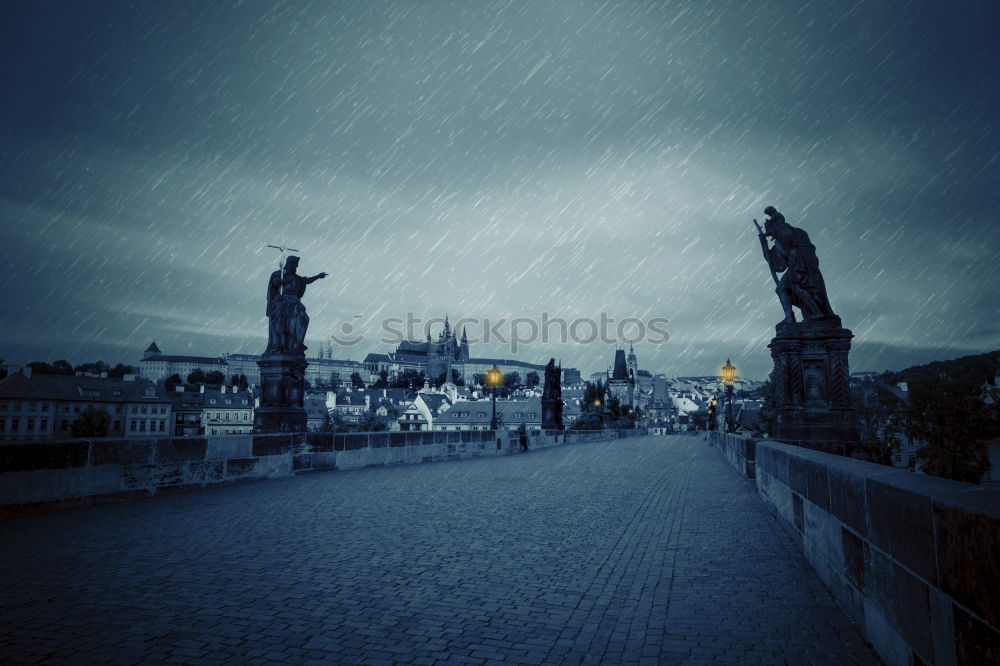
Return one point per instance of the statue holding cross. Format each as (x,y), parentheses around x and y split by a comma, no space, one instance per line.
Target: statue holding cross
(287,318)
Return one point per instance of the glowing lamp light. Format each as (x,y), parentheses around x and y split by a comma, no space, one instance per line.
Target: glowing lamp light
(597,403)
(728,372)
(494,377)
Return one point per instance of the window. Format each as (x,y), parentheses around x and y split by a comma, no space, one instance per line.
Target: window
(43,425)
(517,415)
(15,425)
(45,406)
(64,425)
(143,410)
(118,409)
(118,426)
(531,415)
(3,424)
(142,426)
(163,424)
(17,406)
(481,414)
(31,425)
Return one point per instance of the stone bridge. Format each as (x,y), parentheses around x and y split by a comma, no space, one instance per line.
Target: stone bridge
(651,550)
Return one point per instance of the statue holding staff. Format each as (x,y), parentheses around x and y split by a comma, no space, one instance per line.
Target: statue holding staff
(793,254)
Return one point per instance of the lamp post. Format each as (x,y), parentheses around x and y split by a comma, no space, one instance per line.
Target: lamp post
(494,378)
(728,377)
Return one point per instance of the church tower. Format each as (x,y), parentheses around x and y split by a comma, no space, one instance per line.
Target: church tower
(464,348)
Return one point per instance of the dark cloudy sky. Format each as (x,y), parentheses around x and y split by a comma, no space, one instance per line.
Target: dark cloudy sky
(497,159)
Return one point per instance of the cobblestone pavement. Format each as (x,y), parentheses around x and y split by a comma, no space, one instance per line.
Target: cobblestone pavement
(647,550)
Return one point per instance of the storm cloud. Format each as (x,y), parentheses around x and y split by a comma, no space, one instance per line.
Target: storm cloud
(497,159)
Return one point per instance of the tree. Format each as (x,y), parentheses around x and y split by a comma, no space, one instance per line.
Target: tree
(243,383)
(409,378)
(356,381)
(338,424)
(172,381)
(372,422)
(92,423)
(382,381)
(456,378)
(335,382)
(512,380)
(120,371)
(478,379)
(196,376)
(588,420)
(40,368)
(593,396)
(532,379)
(951,417)
(62,367)
(882,417)
(215,377)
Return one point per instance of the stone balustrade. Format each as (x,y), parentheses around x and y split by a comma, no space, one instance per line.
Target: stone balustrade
(913,559)
(44,475)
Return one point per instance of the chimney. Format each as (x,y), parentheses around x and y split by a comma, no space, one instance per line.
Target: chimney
(179,388)
(26,371)
(104,375)
(903,386)
(368,401)
(201,388)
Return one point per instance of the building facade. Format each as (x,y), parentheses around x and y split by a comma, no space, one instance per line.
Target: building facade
(227,411)
(45,406)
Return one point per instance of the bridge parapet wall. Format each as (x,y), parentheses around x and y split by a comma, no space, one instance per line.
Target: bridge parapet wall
(50,475)
(739,450)
(913,559)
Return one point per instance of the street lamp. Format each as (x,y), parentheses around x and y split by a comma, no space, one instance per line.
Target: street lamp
(728,377)
(494,378)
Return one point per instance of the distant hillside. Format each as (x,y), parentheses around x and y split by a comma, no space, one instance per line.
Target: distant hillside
(974,369)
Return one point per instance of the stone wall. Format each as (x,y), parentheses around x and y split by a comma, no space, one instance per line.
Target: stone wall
(740,451)
(49,475)
(913,559)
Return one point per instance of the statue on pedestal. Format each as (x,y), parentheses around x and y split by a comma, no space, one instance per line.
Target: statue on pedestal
(811,375)
(283,364)
(287,318)
(552,404)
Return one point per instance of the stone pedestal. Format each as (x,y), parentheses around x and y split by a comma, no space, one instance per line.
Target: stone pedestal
(282,380)
(813,382)
(552,415)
